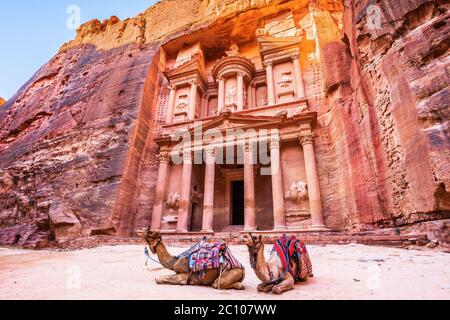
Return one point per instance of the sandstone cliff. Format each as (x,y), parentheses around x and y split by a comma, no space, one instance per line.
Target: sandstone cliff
(77,156)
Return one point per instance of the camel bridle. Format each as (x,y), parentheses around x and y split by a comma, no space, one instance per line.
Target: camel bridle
(254,250)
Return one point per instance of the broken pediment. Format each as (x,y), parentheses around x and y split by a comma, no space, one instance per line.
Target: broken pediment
(269,45)
(193,68)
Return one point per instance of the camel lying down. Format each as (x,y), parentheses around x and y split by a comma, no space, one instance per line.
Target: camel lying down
(225,280)
(278,277)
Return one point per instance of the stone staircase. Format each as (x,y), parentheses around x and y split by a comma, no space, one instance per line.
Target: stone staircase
(310,238)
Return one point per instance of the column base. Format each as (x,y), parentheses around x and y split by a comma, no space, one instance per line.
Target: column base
(182,231)
(207,231)
(280,228)
(250,230)
(319,228)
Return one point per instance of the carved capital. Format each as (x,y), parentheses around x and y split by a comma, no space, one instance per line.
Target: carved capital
(248,147)
(295,57)
(241,74)
(194,82)
(211,153)
(164,157)
(308,139)
(172,87)
(268,63)
(186,155)
(274,143)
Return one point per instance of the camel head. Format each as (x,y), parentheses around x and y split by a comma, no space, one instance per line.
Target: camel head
(251,241)
(254,244)
(153,238)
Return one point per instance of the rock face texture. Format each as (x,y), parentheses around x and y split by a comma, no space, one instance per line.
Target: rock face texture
(77,150)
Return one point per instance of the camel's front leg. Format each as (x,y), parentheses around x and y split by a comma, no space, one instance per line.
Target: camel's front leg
(177,279)
(287,284)
(231,279)
(264,288)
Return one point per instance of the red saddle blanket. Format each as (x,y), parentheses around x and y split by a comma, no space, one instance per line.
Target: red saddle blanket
(292,251)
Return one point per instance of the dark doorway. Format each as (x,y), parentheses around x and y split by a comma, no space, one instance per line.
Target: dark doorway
(238,203)
(196,218)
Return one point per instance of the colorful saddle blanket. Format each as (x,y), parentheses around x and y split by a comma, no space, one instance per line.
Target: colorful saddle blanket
(292,251)
(205,256)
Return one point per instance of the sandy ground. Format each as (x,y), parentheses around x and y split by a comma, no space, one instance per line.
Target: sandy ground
(341,272)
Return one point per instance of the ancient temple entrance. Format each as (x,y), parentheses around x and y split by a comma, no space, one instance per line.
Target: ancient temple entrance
(196,218)
(237,201)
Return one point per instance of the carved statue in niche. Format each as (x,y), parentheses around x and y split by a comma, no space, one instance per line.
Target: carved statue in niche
(196,195)
(173,201)
(233,52)
(183,103)
(299,192)
(230,95)
(286,79)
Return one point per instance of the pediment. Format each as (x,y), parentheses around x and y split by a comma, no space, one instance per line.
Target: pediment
(191,67)
(231,121)
(270,44)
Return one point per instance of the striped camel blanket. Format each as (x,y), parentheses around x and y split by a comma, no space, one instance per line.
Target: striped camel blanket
(293,251)
(205,256)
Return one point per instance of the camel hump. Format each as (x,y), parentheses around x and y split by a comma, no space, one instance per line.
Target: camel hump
(293,251)
(205,256)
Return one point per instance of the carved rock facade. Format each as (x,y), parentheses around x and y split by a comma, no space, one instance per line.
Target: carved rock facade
(80,143)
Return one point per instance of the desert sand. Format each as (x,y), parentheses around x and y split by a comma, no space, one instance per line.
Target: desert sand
(341,272)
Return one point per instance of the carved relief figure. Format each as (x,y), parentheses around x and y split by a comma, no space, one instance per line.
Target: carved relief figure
(285,80)
(173,201)
(299,192)
(183,103)
(233,52)
(230,95)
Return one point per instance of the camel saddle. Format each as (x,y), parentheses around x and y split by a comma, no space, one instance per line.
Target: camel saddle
(205,256)
(293,251)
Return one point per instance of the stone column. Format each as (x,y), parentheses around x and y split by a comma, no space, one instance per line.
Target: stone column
(203,107)
(160,192)
(249,188)
(249,97)
(270,83)
(171,105)
(221,95)
(208,205)
(254,98)
(312,176)
(279,212)
(300,85)
(240,92)
(193,100)
(185,198)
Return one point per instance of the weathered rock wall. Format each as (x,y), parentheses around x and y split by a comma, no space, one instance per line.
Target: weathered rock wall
(388,92)
(67,138)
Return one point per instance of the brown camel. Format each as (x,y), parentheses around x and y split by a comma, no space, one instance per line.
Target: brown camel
(225,280)
(271,273)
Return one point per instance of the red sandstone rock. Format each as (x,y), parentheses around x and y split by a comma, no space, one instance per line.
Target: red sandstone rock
(77,150)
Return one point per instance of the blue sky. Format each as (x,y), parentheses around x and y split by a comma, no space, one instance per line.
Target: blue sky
(31,32)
